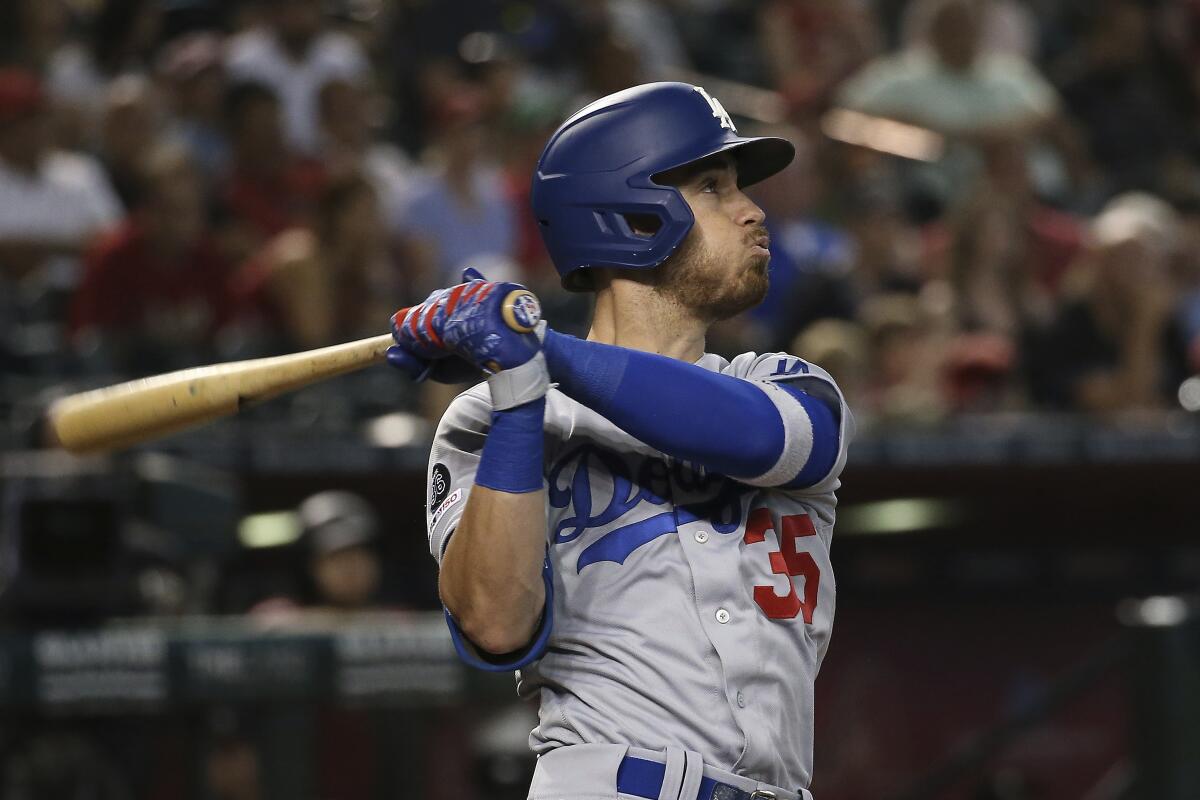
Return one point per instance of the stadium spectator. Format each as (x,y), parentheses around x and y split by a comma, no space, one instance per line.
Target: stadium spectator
(867,224)
(337,533)
(979,374)
(946,82)
(123,35)
(51,202)
(295,53)
(907,348)
(269,189)
(458,214)
(1006,256)
(340,530)
(333,282)
(650,30)
(154,292)
(32,32)
(531,120)
(810,46)
(811,259)
(1009,251)
(193,75)
(1116,344)
(862,193)
(131,123)
(607,63)
(349,145)
(1006,26)
(1134,103)
(841,348)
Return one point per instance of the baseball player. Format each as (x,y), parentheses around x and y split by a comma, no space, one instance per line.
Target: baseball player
(638,527)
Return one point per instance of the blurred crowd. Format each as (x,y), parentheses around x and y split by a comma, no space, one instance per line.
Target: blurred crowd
(995,204)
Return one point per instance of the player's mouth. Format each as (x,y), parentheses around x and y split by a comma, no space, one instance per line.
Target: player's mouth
(761,244)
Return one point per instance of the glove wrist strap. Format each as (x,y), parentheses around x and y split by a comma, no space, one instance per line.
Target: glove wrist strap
(521,384)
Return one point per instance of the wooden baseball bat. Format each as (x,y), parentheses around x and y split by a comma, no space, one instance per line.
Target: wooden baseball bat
(137,411)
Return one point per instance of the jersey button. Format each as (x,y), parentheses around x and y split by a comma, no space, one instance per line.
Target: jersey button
(722,616)
(701,536)
(741,700)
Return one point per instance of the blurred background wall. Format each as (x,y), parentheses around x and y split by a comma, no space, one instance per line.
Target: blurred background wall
(989,236)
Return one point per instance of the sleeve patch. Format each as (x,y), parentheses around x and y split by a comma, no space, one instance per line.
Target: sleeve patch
(439,485)
(450,502)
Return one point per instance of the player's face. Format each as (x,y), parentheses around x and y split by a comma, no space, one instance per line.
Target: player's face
(720,270)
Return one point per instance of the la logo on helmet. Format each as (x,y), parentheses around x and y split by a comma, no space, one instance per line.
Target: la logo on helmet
(718,110)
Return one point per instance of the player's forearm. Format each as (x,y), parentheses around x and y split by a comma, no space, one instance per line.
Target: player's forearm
(491,578)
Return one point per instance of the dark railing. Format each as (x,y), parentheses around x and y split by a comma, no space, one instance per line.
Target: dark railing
(206,689)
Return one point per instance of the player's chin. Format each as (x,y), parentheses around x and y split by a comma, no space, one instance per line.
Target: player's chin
(756,279)
(759,263)
(741,295)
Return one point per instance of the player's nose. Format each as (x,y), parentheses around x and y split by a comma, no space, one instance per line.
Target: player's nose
(748,212)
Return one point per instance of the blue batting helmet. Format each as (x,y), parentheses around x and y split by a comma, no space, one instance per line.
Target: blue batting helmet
(599,167)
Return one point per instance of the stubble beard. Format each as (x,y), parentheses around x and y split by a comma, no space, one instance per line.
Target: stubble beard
(694,278)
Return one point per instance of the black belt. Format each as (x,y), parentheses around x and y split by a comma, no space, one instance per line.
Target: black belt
(643,778)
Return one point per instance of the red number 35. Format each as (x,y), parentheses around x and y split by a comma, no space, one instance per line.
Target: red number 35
(786,561)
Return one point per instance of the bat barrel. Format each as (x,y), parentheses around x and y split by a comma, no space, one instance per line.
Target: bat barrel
(129,413)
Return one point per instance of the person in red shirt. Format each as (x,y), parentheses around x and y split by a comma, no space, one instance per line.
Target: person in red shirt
(154,290)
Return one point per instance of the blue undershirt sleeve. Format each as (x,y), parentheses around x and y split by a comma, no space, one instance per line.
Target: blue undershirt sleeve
(725,424)
(826,440)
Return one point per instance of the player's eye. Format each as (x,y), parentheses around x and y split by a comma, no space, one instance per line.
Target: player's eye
(708,185)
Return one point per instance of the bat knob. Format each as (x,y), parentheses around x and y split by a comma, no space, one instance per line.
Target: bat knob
(521,310)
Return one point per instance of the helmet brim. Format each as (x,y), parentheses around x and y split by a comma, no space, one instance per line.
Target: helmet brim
(758,158)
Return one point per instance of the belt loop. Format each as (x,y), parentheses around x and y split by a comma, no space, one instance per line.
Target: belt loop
(673,777)
(692,775)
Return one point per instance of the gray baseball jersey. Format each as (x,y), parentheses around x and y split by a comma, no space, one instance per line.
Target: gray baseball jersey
(688,609)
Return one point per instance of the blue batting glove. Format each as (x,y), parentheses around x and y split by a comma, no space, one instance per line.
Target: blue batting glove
(419,328)
(443,369)
(491,325)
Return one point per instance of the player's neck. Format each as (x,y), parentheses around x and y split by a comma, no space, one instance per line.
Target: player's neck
(632,315)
